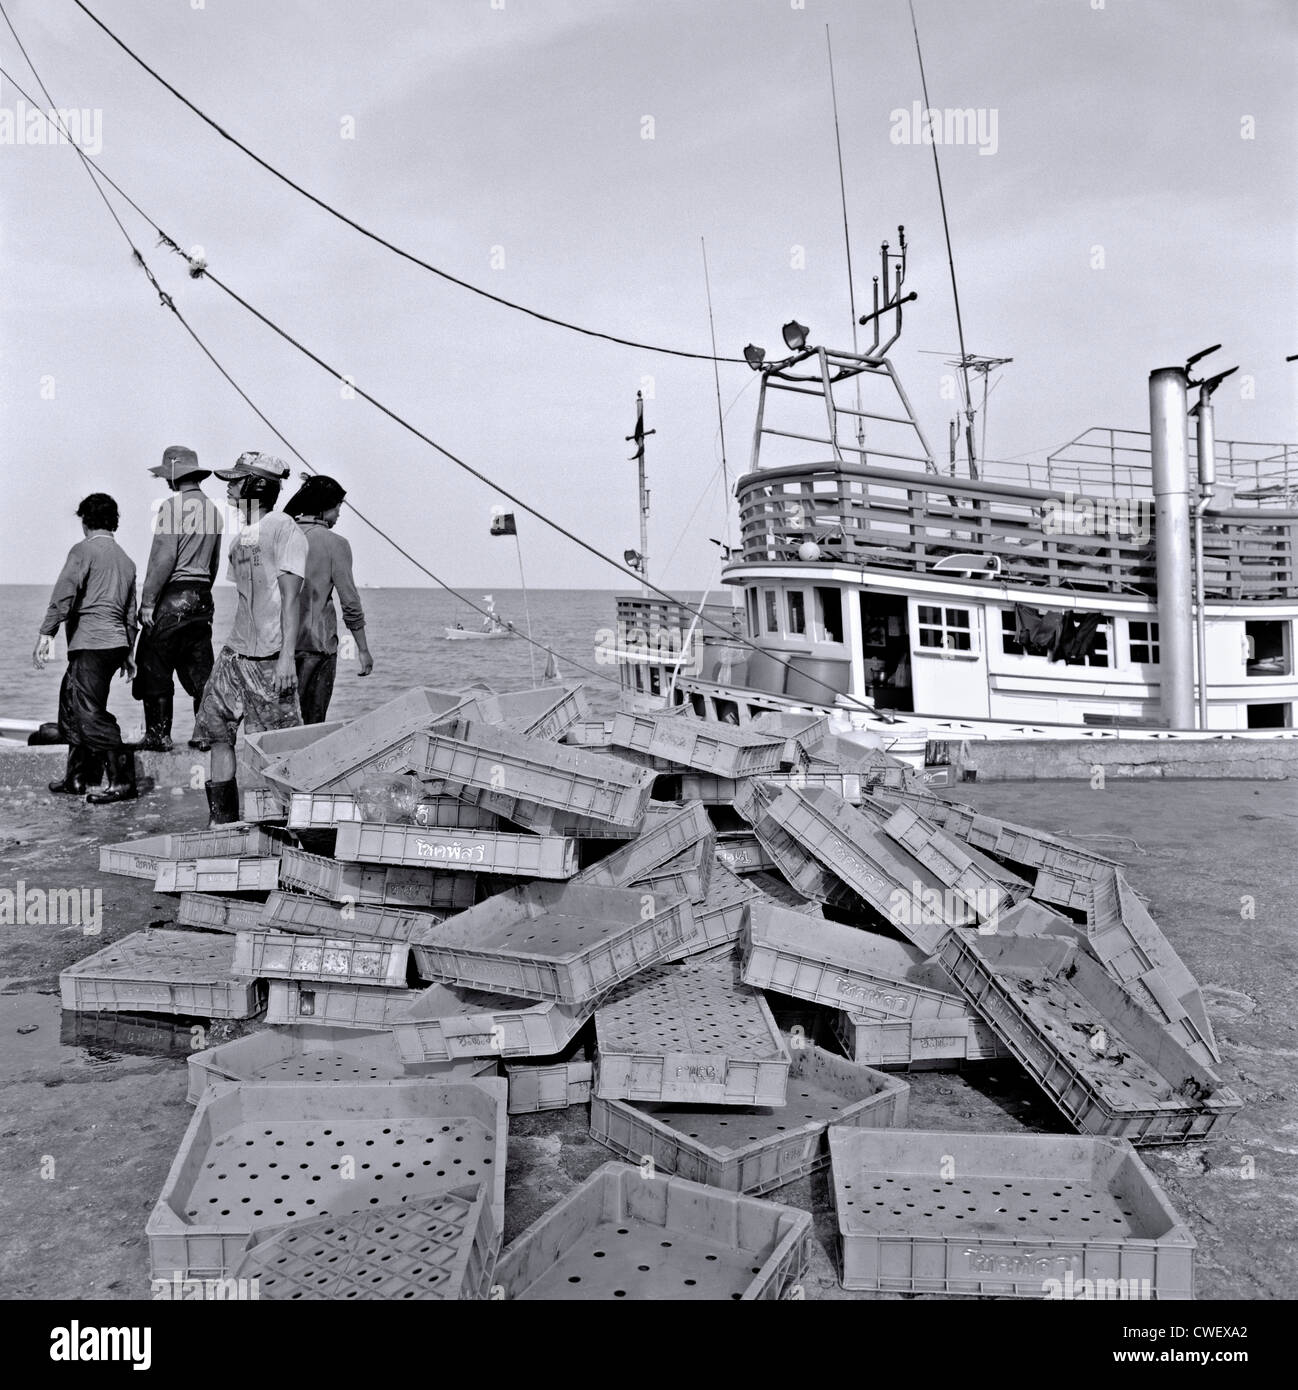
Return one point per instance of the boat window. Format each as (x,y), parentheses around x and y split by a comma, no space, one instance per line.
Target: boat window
(1010,643)
(1270,716)
(944,629)
(1265,649)
(1098,652)
(797,611)
(772,611)
(753,626)
(655,681)
(829,615)
(1142,642)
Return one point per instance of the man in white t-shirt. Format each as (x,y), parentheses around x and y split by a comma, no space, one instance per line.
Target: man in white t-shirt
(254,680)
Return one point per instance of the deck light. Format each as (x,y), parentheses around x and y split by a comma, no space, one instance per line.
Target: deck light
(795,335)
(754,356)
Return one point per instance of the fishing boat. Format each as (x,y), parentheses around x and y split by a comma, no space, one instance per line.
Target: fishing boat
(494,627)
(1132,584)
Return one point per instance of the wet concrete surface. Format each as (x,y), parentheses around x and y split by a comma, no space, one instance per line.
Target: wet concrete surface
(92,1111)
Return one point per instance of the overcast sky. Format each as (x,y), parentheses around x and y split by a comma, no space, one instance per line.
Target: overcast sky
(515,130)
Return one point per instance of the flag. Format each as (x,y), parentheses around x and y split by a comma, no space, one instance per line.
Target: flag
(502,524)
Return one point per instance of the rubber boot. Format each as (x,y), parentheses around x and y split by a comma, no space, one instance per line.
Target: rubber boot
(157,724)
(223,803)
(92,768)
(121,779)
(74,780)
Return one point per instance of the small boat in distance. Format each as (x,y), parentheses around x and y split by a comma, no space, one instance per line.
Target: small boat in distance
(493,626)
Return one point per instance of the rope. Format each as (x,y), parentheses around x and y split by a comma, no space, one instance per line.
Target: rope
(381,240)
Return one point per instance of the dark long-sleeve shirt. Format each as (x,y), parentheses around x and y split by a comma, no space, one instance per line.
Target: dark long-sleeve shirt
(94,596)
(328,567)
(186,545)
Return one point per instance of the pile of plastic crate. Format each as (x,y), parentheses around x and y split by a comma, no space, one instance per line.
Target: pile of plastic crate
(731,944)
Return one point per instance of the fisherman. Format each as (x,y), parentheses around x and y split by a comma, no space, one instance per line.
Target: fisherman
(254,680)
(94,600)
(315,507)
(176,599)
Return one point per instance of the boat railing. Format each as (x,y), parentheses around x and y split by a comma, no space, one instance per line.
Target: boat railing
(876,517)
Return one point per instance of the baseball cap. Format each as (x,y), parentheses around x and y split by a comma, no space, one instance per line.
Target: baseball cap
(317,494)
(253,464)
(177,462)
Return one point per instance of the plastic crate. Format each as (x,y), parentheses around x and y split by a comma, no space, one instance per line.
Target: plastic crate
(312,1055)
(162,972)
(550,1083)
(295,912)
(724,750)
(626,1235)
(142,858)
(567,942)
(214,912)
(952,816)
(801,868)
(370,748)
(431,1248)
(360,883)
(243,875)
(940,1212)
(349,960)
(442,1024)
(662,838)
(543,820)
(775,888)
(843,967)
(721,791)
(947,862)
(802,733)
(694,1034)
(202,1224)
(886,876)
(1048,1001)
(263,752)
(755,1151)
(743,853)
(476,852)
(590,733)
(563,778)
(916,1045)
(1062,888)
(335,1006)
(267,804)
(688,874)
(546,713)
(718,919)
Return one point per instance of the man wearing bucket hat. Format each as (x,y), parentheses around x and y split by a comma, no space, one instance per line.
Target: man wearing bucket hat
(254,680)
(176,597)
(315,507)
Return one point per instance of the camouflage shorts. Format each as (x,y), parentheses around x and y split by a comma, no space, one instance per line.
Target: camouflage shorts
(243,688)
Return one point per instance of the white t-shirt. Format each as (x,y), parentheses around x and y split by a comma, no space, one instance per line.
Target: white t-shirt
(258,555)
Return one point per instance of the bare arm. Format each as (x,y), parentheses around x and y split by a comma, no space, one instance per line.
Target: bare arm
(290,590)
(163,553)
(353,613)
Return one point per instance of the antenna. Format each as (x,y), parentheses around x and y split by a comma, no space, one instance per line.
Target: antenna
(847,239)
(716,381)
(946,228)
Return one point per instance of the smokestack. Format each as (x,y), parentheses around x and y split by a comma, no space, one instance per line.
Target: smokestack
(1170,458)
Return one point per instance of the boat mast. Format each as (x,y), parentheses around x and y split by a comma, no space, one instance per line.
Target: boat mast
(641,557)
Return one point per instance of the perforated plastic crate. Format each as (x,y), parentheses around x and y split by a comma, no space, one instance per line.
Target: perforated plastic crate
(142,858)
(694,1034)
(843,967)
(458,851)
(558,776)
(801,868)
(757,1150)
(743,853)
(933,1044)
(267,804)
(215,912)
(625,1235)
(360,883)
(550,1083)
(296,912)
(718,919)
(664,837)
(442,1023)
(722,749)
(948,863)
(941,1212)
(431,1248)
(370,748)
(688,874)
(336,1006)
(162,972)
(284,1147)
(314,1055)
(216,876)
(262,752)
(546,713)
(349,960)
(1109,1067)
(877,869)
(567,942)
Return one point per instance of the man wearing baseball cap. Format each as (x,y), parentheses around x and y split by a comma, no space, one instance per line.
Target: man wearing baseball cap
(176,599)
(254,680)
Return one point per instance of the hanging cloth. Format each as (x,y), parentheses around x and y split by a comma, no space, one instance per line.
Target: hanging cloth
(1037,633)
